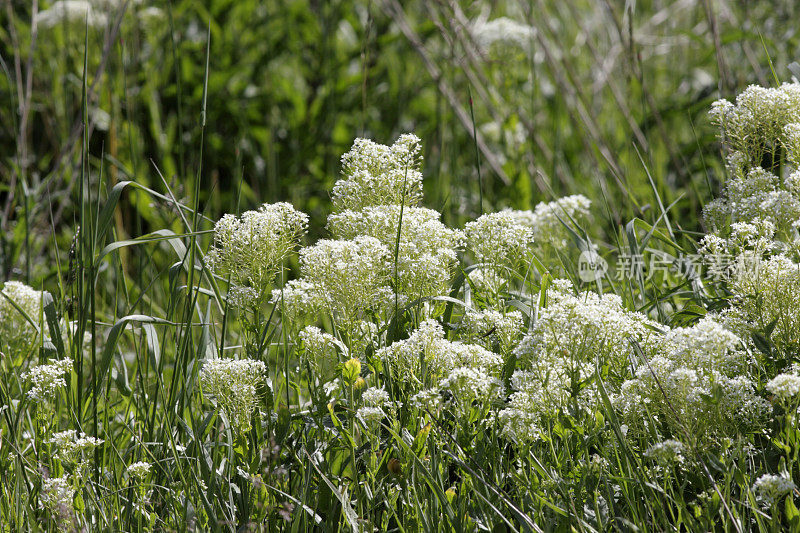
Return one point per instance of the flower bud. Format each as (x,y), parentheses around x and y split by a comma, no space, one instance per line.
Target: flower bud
(351,370)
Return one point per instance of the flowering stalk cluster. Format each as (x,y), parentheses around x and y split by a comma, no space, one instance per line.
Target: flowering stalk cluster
(47,380)
(234,385)
(18,336)
(756,221)
(251,249)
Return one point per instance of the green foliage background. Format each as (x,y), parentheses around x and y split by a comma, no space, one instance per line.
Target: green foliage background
(607,92)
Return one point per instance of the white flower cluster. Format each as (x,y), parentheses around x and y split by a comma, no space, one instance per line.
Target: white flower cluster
(468,385)
(754,225)
(766,293)
(386,251)
(374,400)
(755,196)
(784,386)
(769,488)
(17,335)
(370,415)
(489,328)
(378,198)
(426,251)
(427,400)
(747,241)
(297,298)
(696,381)
(706,345)
(376,174)
(542,392)
(251,249)
(356,279)
(585,327)
(760,130)
(547,220)
(322,351)
(499,239)
(71,12)
(756,125)
(234,384)
(348,279)
(47,380)
(666,452)
(56,496)
(501,30)
(426,356)
(139,470)
(375,397)
(557,359)
(72,445)
(753,241)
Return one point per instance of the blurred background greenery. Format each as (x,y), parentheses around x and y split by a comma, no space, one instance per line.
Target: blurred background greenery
(527,99)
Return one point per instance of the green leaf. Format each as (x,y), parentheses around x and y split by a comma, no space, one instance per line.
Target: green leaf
(52,323)
(762,343)
(792,513)
(349,514)
(283,424)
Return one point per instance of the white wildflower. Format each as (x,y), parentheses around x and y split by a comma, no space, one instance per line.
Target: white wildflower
(666,452)
(375,397)
(501,30)
(768,292)
(322,350)
(427,349)
(770,488)
(784,386)
(521,420)
(17,334)
(47,380)
(234,384)
(427,400)
(757,122)
(489,327)
(426,251)
(71,12)
(548,219)
(695,382)
(472,384)
(251,249)
(349,278)
(370,415)
(72,445)
(585,327)
(57,496)
(297,298)
(139,470)
(499,239)
(375,174)
(243,297)
(707,345)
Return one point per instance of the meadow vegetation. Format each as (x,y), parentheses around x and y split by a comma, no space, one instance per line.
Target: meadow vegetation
(429,266)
